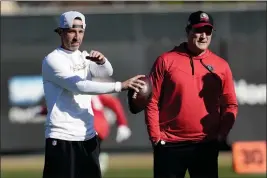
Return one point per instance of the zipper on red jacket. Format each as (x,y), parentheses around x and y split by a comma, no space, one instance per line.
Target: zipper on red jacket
(209,69)
(192,65)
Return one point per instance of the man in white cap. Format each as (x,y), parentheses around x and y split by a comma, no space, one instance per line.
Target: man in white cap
(72,147)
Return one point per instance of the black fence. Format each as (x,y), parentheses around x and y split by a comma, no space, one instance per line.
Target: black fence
(131,42)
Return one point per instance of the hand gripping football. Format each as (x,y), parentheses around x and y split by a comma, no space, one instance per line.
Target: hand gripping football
(138,101)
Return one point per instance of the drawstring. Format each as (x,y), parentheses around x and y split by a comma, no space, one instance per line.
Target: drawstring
(193,68)
(192,65)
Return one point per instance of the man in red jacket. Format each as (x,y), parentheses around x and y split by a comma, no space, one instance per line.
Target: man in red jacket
(193,106)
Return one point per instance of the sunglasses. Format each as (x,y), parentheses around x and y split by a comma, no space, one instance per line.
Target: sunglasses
(206,29)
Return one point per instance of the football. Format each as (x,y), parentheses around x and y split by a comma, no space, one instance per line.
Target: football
(138,101)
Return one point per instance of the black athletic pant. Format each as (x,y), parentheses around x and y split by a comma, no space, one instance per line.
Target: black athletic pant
(72,159)
(172,160)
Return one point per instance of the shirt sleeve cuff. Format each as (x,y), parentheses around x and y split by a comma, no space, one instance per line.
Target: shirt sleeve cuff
(105,62)
(118,86)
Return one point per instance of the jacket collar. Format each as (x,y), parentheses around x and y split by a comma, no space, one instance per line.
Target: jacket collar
(182,50)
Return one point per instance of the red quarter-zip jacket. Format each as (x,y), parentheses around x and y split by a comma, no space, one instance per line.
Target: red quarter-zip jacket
(193,97)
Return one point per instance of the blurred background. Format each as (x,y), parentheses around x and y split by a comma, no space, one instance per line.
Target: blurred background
(131,34)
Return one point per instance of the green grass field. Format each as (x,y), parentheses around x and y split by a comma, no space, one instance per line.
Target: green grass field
(121,166)
(225,172)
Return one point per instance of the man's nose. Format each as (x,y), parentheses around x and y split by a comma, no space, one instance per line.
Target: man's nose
(203,35)
(76,36)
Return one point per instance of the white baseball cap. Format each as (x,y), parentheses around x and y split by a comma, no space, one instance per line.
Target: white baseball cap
(66,19)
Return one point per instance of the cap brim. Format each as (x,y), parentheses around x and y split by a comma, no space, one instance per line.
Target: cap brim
(202,25)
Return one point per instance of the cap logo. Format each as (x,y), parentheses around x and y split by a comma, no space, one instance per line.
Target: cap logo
(204,17)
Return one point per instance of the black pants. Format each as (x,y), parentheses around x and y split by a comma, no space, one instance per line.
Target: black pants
(172,160)
(72,159)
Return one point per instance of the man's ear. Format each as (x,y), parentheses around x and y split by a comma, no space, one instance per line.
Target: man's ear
(187,29)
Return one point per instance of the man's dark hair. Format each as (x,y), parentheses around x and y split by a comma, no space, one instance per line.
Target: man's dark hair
(77,18)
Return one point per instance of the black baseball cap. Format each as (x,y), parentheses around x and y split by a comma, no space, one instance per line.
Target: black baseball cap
(200,19)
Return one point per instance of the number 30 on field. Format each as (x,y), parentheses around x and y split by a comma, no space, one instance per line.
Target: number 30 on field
(249,157)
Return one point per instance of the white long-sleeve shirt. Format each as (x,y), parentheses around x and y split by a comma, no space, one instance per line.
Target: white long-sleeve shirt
(68,88)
